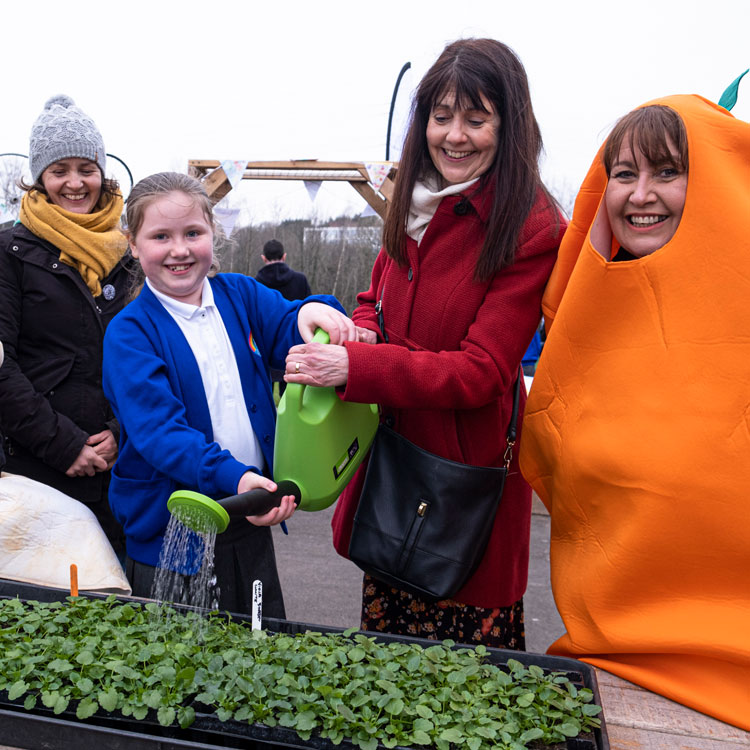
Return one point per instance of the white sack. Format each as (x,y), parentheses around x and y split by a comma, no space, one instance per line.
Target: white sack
(43,531)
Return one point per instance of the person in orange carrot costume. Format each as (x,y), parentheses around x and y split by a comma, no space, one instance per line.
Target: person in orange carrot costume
(637,427)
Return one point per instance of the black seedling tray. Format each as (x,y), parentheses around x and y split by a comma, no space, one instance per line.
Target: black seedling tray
(40,729)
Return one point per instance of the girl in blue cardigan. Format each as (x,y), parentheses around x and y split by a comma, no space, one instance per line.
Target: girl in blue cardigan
(186,369)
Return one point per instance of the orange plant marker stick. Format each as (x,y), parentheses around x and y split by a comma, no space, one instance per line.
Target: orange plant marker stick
(73,579)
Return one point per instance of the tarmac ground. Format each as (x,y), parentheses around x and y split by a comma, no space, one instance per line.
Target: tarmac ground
(322,588)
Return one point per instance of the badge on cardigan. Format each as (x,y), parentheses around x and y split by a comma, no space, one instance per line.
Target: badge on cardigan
(108,291)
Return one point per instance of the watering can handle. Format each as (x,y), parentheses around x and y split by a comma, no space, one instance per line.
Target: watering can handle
(321,337)
(294,391)
(259,501)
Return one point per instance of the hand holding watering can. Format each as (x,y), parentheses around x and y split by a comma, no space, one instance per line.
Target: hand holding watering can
(287,503)
(320,442)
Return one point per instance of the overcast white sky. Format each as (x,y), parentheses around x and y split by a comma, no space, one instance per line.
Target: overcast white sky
(167,81)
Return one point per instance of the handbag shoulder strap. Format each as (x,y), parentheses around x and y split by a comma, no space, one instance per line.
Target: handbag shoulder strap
(510,438)
(379,312)
(514,413)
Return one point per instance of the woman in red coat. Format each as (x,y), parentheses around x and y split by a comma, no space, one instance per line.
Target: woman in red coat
(469,242)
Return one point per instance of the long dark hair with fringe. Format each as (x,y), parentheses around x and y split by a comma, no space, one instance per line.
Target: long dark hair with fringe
(474,69)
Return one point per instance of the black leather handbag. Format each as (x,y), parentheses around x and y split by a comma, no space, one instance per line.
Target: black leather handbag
(423,522)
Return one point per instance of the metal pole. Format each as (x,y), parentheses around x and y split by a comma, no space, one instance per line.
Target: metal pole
(390,114)
(127,169)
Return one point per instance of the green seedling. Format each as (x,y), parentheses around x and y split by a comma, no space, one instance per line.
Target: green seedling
(88,656)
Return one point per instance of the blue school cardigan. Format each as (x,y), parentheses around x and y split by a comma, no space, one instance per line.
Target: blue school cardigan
(152,380)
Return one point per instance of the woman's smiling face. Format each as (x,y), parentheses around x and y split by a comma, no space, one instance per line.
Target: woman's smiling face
(644,201)
(462,142)
(73,184)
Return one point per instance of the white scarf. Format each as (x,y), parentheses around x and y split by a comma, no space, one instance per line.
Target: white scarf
(424,202)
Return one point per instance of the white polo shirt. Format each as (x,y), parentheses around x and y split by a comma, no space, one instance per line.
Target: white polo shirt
(207,336)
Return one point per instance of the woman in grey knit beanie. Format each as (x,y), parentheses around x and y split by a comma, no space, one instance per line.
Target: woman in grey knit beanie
(64,274)
(63,132)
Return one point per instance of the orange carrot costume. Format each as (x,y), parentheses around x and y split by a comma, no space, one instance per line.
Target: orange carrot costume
(637,435)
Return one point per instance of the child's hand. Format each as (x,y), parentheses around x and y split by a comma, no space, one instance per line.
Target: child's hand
(250,481)
(316,315)
(275,515)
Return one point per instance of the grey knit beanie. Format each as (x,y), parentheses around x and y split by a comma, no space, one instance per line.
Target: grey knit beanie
(63,131)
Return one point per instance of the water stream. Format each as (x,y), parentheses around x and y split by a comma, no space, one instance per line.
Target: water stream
(189,550)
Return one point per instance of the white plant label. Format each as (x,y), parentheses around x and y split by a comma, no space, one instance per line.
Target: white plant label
(257,604)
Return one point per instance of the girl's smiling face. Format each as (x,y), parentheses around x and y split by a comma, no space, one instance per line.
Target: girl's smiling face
(174,245)
(644,201)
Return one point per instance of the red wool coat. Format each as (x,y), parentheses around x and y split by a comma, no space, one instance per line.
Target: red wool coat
(446,377)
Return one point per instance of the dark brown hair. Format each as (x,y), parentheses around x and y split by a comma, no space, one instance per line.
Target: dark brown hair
(473,69)
(650,130)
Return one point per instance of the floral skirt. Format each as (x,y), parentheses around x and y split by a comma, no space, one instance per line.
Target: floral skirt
(389,610)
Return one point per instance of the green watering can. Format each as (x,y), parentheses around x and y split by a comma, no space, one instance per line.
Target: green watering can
(320,442)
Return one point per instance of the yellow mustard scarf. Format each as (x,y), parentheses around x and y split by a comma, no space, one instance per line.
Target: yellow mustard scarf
(91,243)
(637,435)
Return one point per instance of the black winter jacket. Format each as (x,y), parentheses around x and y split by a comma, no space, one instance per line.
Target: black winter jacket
(52,328)
(292,284)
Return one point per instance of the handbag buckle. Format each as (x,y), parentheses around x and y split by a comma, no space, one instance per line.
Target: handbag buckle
(422,508)
(508,456)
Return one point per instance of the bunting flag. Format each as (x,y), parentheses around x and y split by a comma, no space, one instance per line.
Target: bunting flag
(234,169)
(377,171)
(312,188)
(227,217)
